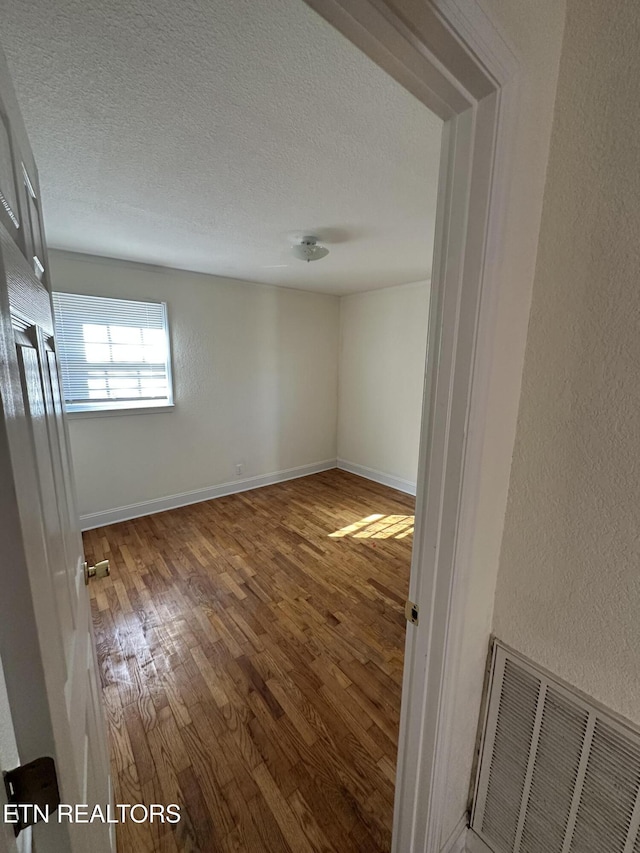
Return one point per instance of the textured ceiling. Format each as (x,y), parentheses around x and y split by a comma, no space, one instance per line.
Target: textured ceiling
(202,134)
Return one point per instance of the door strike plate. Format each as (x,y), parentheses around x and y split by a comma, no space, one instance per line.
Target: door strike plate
(411,612)
(100,570)
(34,787)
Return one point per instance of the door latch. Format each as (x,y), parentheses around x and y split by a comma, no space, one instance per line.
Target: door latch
(100,570)
(411,612)
(33,789)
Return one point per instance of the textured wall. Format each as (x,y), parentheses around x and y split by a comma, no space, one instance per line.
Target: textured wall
(383,339)
(255,372)
(568,592)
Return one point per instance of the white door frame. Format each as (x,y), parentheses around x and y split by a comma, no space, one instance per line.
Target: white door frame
(450,55)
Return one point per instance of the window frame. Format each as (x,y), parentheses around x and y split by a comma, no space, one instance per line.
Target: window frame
(114,407)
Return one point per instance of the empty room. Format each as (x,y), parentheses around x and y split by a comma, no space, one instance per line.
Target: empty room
(318,426)
(240,210)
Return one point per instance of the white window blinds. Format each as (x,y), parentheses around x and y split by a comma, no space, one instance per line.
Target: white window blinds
(113,353)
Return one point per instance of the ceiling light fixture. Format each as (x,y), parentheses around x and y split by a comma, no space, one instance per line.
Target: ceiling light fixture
(308,249)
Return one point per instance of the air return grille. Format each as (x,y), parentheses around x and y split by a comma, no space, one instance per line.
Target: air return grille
(557,774)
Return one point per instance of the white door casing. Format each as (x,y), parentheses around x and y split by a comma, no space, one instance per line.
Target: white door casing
(46,644)
(449,54)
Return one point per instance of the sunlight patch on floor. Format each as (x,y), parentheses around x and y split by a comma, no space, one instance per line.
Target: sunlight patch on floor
(378,526)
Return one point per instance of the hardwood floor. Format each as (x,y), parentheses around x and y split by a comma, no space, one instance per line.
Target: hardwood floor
(250,651)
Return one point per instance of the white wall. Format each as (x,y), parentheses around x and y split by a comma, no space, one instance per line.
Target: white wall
(255,380)
(383,339)
(568,591)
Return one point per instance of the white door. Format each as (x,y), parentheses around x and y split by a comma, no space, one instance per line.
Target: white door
(51,703)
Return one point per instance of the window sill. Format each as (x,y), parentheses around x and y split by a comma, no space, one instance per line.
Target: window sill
(130,410)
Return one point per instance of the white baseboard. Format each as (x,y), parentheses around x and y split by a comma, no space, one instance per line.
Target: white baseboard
(124,513)
(378,476)
(457,841)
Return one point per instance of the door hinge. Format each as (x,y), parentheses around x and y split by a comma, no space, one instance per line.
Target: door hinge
(100,570)
(411,612)
(33,788)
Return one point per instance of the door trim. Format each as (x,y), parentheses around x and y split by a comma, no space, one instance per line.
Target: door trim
(451,55)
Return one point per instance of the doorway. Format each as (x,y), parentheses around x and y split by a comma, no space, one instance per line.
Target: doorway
(444,443)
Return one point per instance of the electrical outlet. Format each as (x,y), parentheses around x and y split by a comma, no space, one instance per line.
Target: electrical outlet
(239,467)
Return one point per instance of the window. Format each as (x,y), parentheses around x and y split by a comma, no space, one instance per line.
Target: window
(113,353)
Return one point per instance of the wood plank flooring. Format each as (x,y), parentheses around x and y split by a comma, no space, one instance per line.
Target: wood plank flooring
(250,651)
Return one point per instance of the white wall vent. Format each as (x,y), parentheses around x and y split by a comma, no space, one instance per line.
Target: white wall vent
(557,774)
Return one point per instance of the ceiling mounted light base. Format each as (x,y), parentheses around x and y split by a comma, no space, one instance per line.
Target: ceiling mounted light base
(308,249)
